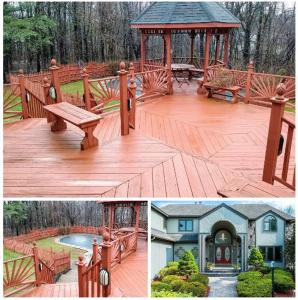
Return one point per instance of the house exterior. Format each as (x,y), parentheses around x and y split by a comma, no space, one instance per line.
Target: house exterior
(221,235)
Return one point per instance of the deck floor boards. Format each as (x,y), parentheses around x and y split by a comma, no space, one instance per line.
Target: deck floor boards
(186,146)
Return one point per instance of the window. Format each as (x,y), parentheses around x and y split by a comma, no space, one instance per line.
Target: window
(185,225)
(270,223)
(271,253)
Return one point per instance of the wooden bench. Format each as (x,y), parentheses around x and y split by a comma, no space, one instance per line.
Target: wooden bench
(194,72)
(81,118)
(247,188)
(233,89)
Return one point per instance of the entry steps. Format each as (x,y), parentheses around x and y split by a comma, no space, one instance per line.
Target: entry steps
(222,271)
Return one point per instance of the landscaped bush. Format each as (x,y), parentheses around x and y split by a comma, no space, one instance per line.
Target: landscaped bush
(159,286)
(173,264)
(173,270)
(169,278)
(196,288)
(199,278)
(251,275)
(259,287)
(264,269)
(177,284)
(256,258)
(283,280)
(170,294)
(187,264)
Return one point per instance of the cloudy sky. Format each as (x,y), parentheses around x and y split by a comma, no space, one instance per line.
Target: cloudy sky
(281,204)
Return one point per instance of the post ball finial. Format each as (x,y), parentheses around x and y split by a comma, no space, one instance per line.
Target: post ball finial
(81,258)
(105,236)
(53,62)
(280,89)
(45,80)
(21,71)
(131,64)
(34,244)
(122,66)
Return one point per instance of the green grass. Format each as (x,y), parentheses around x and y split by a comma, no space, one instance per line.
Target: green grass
(73,87)
(8,254)
(49,243)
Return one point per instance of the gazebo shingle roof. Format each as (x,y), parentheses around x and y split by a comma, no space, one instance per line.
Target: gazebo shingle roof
(186,13)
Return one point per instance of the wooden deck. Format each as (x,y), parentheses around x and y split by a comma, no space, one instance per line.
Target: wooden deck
(129,279)
(183,146)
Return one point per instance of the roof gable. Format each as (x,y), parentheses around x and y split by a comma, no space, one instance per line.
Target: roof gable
(185,13)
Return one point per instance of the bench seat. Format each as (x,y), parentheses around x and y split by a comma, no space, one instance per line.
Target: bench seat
(85,120)
(212,88)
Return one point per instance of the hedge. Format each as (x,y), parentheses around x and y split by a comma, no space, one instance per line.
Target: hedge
(254,288)
(177,284)
(173,270)
(199,278)
(251,275)
(159,286)
(169,278)
(170,294)
(196,288)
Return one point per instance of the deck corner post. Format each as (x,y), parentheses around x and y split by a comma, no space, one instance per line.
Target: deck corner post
(81,282)
(86,96)
(132,96)
(21,78)
(226,48)
(123,99)
(106,263)
(36,264)
(206,60)
(168,41)
(275,127)
(46,87)
(55,81)
(250,70)
(144,38)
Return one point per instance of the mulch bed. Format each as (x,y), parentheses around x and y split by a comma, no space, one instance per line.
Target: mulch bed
(285,294)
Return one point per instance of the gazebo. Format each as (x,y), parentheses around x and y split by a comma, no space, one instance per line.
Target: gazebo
(208,19)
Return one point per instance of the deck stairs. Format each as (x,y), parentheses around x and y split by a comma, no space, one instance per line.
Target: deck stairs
(222,271)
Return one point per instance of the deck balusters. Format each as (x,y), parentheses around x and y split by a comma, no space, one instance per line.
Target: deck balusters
(21,78)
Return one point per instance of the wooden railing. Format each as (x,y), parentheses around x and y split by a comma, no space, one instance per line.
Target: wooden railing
(24,272)
(275,141)
(12,102)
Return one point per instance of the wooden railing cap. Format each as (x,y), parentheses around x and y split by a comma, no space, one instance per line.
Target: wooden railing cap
(280,92)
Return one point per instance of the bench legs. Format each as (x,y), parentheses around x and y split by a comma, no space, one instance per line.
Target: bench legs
(235,98)
(58,124)
(209,93)
(89,140)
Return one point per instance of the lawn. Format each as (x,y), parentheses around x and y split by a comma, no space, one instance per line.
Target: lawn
(49,243)
(73,87)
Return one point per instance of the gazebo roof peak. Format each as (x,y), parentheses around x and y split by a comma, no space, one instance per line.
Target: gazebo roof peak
(178,15)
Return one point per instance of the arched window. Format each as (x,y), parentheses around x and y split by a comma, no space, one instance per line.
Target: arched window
(270,223)
(223,237)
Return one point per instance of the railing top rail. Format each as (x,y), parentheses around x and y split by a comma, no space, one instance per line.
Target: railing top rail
(18,258)
(104,78)
(275,75)
(289,122)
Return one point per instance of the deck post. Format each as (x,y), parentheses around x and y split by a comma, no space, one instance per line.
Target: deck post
(123,99)
(164,58)
(168,40)
(21,77)
(217,46)
(132,96)
(87,99)
(137,208)
(207,49)
(36,264)
(106,263)
(55,82)
(46,86)
(250,70)
(81,281)
(275,126)
(144,38)
(226,49)
(95,251)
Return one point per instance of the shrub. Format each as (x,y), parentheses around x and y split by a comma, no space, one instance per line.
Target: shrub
(264,269)
(254,288)
(196,288)
(168,271)
(170,294)
(251,275)
(177,284)
(256,258)
(159,286)
(173,264)
(283,280)
(199,278)
(169,278)
(187,264)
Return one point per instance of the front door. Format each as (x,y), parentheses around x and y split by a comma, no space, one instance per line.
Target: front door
(223,254)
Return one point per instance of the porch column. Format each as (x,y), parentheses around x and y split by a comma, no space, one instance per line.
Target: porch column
(243,252)
(192,36)
(226,48)
(207,49)
(168,41)
(111,219)
(144,38)
(103,216)
(164,59)
(203,252)
(217,46)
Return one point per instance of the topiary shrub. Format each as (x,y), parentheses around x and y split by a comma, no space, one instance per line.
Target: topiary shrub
(264,269)
(173,270)
(159,286)
(196,288)
(170,294)
(173,264)
(199,278)
(256,258)
(187,264)
(169,278)
(254,288)
(251,275)
(177,284)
